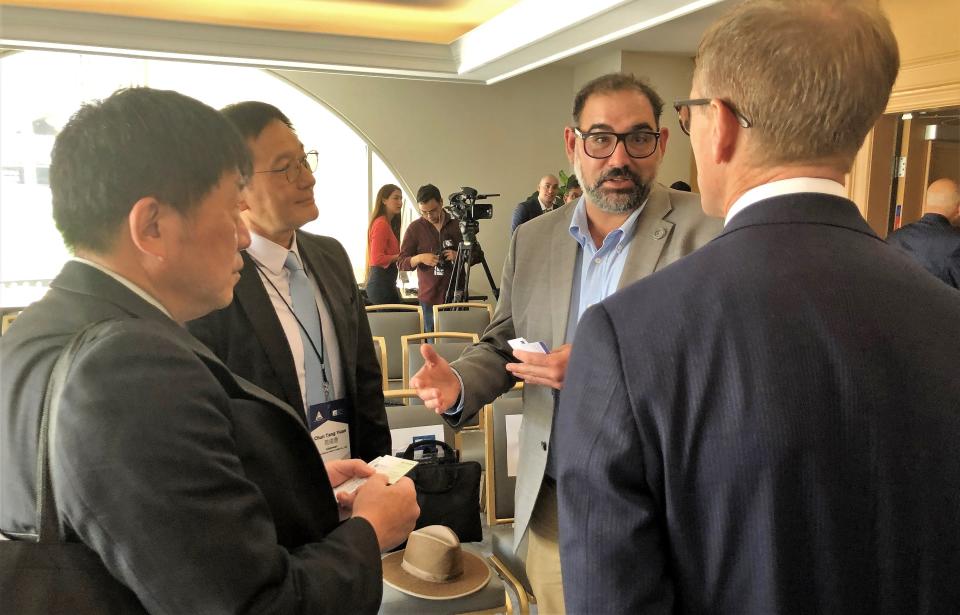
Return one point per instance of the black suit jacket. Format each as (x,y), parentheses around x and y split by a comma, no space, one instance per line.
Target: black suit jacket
(527,210)
(934,243)
(197,490)
(769,425)
(247,336)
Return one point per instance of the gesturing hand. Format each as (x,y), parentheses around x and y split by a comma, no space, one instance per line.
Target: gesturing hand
(436,384)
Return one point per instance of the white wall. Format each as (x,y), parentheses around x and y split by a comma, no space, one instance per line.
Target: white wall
(500,138)
(670,76)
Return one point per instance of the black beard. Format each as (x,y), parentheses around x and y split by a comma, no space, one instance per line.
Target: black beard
(618,201)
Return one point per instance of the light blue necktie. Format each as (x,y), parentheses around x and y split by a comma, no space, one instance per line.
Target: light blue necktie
(305,309)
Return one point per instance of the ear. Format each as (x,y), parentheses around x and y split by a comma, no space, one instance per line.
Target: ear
(150,226)
(664,136)
(570,142)
(724,132)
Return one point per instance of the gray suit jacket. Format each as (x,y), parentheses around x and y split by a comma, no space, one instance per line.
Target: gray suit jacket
(535,304)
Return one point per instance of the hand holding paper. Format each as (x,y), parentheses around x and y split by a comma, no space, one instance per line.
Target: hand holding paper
(548,369)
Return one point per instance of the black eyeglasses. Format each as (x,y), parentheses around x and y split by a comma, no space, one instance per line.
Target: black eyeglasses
(638,143)
(683,111)
(293,168)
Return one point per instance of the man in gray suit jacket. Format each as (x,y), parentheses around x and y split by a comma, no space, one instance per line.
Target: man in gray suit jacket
(624,227)
(184,488)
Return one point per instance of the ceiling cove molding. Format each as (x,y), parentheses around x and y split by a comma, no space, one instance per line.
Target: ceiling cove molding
(31,28)
(613,23)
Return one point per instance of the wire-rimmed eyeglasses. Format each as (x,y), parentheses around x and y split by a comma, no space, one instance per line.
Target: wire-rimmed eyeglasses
(638,143)
(293,168)
(683,112)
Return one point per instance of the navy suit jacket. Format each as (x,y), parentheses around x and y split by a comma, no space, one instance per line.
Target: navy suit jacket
(248,337)
(769,425)
(527,210)
(934,243)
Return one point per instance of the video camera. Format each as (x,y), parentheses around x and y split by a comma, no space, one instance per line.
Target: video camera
(464,207)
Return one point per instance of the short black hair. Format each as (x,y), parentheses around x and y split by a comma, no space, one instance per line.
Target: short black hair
(617,82)
(252,116)
(572,182)
(139,142)
(429,192)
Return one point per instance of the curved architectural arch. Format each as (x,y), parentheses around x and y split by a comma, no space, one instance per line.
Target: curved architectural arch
(39,91)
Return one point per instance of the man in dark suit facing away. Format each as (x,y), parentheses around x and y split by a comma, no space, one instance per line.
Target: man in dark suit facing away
(770,424)
(934,239)
(191,489)
(328,372)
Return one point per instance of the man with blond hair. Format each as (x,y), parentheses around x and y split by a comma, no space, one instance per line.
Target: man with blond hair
(770,425)
(934,239)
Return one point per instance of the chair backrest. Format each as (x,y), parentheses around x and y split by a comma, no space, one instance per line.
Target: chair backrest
(8,318)
(413,422)
(380,348)
(448,345)
(502,437)
(463,317)
(391,322)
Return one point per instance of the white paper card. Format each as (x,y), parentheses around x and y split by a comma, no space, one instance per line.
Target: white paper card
(394,468)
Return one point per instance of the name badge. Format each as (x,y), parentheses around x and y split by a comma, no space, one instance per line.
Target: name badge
(329,425)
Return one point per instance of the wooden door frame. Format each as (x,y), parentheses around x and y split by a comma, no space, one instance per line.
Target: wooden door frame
(927,83)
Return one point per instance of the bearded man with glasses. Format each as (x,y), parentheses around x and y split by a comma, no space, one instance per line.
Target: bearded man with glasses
(297,326)
(624,227)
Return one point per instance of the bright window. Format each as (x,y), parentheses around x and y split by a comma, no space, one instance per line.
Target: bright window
(39,91)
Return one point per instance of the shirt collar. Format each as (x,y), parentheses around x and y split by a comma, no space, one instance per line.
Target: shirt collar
(781,187)
(622,234)
(543,205)
(270,255)
(130,285)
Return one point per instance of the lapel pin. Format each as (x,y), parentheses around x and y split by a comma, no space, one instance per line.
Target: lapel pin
(659,233)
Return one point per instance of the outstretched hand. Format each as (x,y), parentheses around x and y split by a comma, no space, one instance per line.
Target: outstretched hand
(537,368)
(436,384)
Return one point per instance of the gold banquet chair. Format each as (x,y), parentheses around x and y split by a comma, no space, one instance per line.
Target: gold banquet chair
(463,317)
(502,425)
(391,322)
(415,420)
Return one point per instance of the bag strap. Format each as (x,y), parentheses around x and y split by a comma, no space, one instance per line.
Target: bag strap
(448,453)
(48,523)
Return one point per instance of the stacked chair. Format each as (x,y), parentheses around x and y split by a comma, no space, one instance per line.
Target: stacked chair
(391,322)
(500,499)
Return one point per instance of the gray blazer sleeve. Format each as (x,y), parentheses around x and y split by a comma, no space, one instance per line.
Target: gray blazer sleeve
(483,366)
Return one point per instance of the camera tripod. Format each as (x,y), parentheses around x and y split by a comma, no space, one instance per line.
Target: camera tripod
(458,289)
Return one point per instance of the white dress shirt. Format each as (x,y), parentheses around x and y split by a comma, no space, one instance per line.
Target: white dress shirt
(784,186)
(133,287)
(269,258)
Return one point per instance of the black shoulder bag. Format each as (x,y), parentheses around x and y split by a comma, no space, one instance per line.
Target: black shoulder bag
(46,574)
(448,491)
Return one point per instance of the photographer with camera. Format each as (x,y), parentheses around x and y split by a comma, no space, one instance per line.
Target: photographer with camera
(430,247)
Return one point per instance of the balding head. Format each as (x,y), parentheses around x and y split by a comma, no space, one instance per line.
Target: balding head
(547,189)
(943,197)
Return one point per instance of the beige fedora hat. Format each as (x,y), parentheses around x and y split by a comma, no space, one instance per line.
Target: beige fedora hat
(435,567)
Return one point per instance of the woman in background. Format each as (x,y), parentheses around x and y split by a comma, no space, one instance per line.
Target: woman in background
(383,246)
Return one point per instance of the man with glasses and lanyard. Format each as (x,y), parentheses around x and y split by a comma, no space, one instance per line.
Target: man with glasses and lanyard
(624,227)
(297,326)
